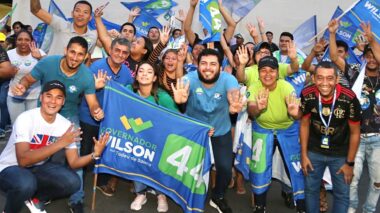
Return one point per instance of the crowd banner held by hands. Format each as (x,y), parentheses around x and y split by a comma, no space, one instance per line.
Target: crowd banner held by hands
(154,8)
(211,19)
(155,146)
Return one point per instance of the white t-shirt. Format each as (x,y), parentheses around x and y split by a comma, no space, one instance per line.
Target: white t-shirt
(63,31)
(25,65)
(31,127)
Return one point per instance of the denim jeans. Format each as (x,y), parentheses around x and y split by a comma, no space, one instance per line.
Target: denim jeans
(222,150)
(45,182)
(5,120)
(17,106)
(369,149)
(140,188)
(313,183)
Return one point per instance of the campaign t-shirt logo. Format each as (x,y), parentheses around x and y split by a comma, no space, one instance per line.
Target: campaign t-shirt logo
(27,63)
(73,89)
(199,91)
(217,96)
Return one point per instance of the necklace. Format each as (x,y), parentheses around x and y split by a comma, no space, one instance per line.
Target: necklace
(370,81)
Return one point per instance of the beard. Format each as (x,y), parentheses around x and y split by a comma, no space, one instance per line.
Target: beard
(72,67)
(208,81)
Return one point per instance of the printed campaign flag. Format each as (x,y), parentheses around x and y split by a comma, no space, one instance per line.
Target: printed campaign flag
(6,18)
(305,32)
(337,13)
(109,25)
(143,22)
(211,19)
(153,7)
(243,144)
(43,34)
(241,8)
(155,146)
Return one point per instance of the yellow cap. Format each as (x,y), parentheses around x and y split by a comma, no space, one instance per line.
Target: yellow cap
(2,37)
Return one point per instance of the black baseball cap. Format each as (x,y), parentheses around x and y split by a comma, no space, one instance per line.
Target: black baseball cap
(268,61)
(55,84)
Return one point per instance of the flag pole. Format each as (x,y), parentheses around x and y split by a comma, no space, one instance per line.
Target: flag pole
(339,17)
(94,192)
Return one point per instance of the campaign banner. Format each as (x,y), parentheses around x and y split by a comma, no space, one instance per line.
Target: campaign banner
(211,19)
(305,32)
(241,8)
(158,147)
(153,7)
(143,22)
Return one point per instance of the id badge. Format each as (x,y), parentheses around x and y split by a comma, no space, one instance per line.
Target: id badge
(325,142)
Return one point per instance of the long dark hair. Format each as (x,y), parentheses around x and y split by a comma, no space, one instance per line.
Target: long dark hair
(162,67)
(136,85)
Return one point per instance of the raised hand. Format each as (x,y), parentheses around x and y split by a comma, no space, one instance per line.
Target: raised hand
(182,52)
(71,135)
(252,30)
(101,79)
(165,34)
(135,12)
(293,104)
(181,15)
(242,53)
(367,31)
(260,22)
(292,50)
(235,99)
(113,33)
(320,45)
(181,91)
(193,3)
(99,11)
(262,99)
(34,51)
(100,144)
(333,26)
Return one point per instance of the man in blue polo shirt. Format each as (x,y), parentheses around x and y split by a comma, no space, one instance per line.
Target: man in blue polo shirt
(211,95)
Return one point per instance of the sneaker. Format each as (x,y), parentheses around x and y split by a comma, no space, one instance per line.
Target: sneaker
(162,204)
(351,210)
(220,205)
(288,199)
(139,201)
(35,206)
(2,133)
(106,190)
(259,209)
(76,207)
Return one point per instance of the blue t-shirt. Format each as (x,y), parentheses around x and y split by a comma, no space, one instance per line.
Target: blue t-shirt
(210,104)
(77,85)
(123,77)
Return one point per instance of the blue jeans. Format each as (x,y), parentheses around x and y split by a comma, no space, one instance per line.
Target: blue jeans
(369,149)
(45,182)
(17,106)
(5,120)
(140,188)
(313,183)
(222,150)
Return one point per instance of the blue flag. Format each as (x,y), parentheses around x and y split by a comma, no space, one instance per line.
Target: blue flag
(305,32)
(211,19)
(143,22)
(351,57)
(109,25)
(43,34)
(241,8)
(153,7)
(337,13)
(155,146)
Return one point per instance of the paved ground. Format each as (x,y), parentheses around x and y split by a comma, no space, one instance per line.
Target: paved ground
(123,197)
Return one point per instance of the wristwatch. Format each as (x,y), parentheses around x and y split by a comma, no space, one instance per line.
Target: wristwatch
(350,163)
(94,157)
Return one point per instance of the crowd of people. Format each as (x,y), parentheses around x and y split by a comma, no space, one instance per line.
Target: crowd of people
(301,107)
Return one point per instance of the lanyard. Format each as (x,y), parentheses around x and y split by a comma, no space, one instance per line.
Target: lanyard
(331,110)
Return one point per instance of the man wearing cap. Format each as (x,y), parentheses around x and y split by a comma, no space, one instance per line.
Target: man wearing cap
(26,170)
(250,75)
(70,70)
(329,136)
(273,106)
(239,42)
(369,148)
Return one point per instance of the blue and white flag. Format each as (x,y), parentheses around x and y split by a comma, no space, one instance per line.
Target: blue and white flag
(338,11)
(155,146)
(109,25)
(143,22)
(243,144)
(211,19)
(43,34)
(240,9)
(6,18)
(305,32)
(153,7)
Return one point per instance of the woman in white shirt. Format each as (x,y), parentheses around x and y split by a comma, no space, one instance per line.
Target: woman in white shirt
(25,56)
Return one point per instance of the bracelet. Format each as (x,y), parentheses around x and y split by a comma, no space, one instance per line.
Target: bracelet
(93,157)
